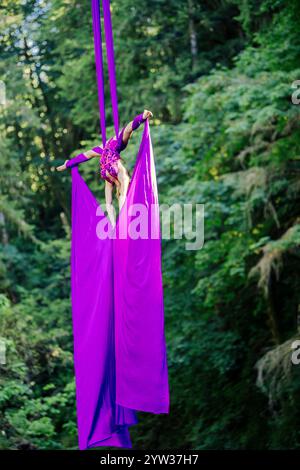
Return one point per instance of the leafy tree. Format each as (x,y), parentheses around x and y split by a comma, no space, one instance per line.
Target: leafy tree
(218,78)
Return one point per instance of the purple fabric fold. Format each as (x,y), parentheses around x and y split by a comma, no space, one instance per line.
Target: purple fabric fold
(99,66)
(101,421)
(111,62)
(141,360)
(120,355)
(121,144)
(117,310)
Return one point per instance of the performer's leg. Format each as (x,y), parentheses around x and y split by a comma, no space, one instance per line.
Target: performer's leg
(124,180)
(108,200)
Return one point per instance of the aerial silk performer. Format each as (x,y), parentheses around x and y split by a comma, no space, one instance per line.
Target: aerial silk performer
(116,281)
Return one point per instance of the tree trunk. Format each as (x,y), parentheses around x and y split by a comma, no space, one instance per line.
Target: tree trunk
(3,231)
(192,33)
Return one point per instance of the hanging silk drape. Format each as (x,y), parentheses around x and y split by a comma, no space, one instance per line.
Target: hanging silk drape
(116,290)
(110,64)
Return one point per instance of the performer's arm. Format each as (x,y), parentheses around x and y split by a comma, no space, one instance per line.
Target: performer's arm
(127,131)
(80,158)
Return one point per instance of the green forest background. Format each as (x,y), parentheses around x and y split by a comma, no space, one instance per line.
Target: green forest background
(218,76)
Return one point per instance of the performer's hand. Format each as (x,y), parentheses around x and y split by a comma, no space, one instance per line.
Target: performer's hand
(147,114)
(62,167)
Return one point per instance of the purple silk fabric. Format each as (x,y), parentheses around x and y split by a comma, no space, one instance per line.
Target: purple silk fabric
(117,310)
(111,62)
(95,4)
(99,65)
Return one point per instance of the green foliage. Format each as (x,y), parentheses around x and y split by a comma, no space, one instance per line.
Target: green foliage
(225,134)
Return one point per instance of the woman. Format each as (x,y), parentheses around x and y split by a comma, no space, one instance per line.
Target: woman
(112,169)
